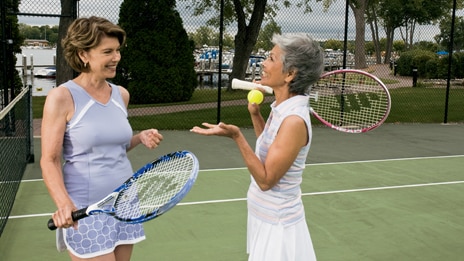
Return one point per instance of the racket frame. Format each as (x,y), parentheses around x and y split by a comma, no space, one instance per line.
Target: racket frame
(112,198)
(314,95)
(246,85)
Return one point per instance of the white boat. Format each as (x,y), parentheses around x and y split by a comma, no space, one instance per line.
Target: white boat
(47,72)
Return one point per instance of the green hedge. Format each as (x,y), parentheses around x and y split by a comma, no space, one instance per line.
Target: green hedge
(430,65)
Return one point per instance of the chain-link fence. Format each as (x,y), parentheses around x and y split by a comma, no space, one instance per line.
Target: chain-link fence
(16,150)
(430,100)
(414,99)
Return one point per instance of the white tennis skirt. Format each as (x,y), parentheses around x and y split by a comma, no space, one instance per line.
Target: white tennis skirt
(268,242)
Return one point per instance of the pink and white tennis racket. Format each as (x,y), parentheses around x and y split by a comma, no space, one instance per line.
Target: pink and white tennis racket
(346,100)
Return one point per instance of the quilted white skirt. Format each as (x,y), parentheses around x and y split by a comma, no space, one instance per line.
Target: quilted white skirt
(98,235)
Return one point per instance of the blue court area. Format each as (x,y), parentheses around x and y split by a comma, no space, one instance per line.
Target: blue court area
(391,194)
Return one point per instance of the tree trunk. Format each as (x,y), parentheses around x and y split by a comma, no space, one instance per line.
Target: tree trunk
(376,41)
(63,71)
(246,37)
(373,23)
(389,48)
(359,52)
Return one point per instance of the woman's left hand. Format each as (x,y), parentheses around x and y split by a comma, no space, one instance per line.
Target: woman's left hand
(151,138)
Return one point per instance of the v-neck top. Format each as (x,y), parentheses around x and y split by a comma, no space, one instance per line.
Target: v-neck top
(95,145)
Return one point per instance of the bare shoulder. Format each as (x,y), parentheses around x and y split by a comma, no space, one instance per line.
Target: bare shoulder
(59,95)
(294,121)
(58,104)
(295,127)
(125,94)
(123,90)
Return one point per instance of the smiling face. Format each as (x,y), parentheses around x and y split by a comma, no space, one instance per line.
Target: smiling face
(104,58)
(273,74)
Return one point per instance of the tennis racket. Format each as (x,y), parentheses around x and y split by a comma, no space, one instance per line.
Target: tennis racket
(150,192)
(346,100)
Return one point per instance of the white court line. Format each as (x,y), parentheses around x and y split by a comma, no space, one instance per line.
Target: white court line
(303,194)
(321,164)
(359,161)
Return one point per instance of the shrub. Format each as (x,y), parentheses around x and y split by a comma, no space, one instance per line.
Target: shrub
(157,63)
(414,58)
(430,65)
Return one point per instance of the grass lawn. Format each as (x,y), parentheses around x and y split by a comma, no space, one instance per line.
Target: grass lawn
(409,105)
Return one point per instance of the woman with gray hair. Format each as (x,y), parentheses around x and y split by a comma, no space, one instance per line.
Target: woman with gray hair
(277,228)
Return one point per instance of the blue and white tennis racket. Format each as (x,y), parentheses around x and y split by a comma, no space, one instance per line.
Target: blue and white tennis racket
(151,191)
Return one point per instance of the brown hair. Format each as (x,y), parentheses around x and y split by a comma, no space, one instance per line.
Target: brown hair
(85,34)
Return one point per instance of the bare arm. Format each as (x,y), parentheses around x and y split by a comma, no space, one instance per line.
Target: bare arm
(151,138)
(282,153)
(57,111)
(256,118)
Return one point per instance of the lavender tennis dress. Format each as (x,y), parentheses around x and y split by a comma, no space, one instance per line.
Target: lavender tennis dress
(95,163)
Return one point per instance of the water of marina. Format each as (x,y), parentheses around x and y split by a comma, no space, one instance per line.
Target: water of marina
(40,58)
(46,57)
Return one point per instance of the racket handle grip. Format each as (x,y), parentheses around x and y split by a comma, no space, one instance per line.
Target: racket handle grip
(76,215)
(245,85)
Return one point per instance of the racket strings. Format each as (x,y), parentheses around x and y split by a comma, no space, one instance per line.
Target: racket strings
(154,188)
(349,100)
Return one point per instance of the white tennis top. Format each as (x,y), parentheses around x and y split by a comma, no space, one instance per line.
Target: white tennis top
(281,204)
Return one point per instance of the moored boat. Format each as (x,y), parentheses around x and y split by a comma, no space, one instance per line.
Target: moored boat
(47,72)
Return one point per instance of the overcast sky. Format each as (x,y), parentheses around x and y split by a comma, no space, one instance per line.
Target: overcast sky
(321,25)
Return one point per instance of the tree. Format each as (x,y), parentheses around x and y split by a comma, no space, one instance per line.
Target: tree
(406,14)
(424,12)
(391,13)
(444,37)
(157,63)
(427,46)
(204,35)
(35,32)
(246,36)
(333,44)
(9,77)
(265,36)
(228,40)
(63,71)
(359,10)
(249,16)
(399,46)
(371,19)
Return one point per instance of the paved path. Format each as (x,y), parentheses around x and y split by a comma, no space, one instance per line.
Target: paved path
(383,71)
(37,123)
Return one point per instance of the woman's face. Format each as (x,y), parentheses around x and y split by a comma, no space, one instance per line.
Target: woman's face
(272,71)
(104,58)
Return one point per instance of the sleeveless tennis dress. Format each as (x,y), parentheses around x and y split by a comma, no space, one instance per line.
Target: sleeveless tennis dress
(96,163)
(277,229)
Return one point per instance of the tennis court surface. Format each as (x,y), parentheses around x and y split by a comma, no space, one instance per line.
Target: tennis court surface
(395,193)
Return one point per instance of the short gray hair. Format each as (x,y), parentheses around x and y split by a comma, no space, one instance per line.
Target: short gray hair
(304,56)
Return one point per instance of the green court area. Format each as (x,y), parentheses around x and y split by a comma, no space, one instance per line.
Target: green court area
(391,194)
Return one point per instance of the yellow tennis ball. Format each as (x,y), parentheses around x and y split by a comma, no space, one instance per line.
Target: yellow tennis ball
(255,96)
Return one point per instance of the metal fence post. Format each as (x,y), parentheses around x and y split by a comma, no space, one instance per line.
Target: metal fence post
(414,76)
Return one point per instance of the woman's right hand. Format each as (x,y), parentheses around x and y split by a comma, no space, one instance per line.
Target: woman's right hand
(221,129)
(63,218)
